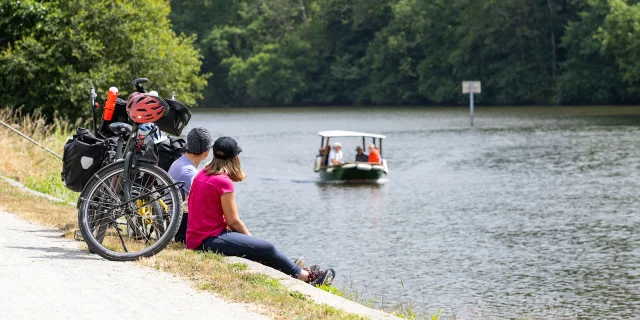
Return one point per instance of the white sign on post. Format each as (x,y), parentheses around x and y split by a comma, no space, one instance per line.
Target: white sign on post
(471,87)
(467,86)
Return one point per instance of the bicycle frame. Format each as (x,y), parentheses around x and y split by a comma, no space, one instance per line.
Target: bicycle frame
(127,163)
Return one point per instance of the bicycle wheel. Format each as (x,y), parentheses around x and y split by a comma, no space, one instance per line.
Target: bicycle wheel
(127,230)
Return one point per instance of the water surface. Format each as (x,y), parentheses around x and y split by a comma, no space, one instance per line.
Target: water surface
(530,210)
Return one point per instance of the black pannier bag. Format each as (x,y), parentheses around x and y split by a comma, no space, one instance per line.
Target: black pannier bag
(169,151)
(81,159)
(176,119)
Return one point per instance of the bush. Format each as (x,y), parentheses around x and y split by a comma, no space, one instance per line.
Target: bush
(52,52)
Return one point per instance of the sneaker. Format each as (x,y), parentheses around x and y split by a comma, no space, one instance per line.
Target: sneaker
(299,262)
(320,277)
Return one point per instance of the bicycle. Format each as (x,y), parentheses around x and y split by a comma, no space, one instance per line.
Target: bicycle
(130,208)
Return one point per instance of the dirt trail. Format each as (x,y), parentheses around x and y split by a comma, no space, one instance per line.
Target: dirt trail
(44,276)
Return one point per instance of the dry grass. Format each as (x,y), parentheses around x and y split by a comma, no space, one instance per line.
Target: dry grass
(38,209)
(30,165)
(40,171)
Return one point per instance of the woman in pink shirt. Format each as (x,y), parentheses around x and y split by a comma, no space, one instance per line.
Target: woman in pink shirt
(214,224)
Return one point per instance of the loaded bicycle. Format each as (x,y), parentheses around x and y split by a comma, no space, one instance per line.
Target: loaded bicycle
(131,208)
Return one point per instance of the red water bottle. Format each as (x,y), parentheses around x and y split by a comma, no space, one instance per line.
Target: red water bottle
(110,104)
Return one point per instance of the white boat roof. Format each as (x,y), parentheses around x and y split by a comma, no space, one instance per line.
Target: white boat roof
(342,133)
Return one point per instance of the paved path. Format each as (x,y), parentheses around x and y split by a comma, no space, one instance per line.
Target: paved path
(44,276)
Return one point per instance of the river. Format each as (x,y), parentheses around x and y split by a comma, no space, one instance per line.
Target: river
(533,211)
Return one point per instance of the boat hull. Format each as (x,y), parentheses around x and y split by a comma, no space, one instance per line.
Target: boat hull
(354,173)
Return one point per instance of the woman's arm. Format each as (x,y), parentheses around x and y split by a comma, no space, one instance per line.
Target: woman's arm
(230,211)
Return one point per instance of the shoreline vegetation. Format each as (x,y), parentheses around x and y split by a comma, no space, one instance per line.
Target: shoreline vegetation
(40,171)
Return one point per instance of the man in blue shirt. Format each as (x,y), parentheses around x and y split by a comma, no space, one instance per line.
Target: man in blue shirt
(361,156)
(199,144)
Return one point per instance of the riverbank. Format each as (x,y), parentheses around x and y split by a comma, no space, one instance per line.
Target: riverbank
(232,280)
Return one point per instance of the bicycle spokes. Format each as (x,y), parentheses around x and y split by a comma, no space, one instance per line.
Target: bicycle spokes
(133,223)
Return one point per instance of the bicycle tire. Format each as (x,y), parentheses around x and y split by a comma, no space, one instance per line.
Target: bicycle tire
(87,226)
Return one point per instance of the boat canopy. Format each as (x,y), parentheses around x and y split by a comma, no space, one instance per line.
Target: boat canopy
(342,133)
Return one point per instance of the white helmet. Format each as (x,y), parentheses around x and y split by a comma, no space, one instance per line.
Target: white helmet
(158,136)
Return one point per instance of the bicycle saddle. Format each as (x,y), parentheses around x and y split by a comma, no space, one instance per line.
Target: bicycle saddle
(121,127)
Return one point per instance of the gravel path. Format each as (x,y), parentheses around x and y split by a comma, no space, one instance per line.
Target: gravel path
(44,276)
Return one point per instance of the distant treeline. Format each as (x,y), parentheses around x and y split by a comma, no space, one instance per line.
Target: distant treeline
(272,52)
(308,52)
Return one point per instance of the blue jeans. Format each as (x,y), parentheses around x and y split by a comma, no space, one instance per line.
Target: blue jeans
(237,244)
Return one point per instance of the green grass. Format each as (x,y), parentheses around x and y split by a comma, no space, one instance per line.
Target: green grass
(238,266)
(51,184)
(332,290)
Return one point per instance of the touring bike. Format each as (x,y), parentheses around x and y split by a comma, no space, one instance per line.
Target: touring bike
(130,208)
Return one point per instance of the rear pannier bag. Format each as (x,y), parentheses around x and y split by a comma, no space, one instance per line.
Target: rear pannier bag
(81,159)
(169,151)
(176,119)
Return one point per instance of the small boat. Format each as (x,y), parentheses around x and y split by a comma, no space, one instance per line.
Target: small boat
(359,172)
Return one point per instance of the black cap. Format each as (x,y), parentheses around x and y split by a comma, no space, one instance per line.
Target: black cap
(225,148)
(198,141)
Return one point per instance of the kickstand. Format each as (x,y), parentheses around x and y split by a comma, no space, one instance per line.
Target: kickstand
(115,226)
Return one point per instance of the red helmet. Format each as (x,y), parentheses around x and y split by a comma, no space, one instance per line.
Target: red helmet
(144,108)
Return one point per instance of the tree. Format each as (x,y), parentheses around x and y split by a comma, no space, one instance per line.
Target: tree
(588,74)
(50,62)
(619,36)
(346,29)
(407,62)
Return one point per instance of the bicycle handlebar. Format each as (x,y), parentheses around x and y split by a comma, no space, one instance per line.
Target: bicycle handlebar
(138,84)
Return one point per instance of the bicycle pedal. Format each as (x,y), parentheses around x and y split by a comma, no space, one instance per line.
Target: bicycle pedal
(77,235)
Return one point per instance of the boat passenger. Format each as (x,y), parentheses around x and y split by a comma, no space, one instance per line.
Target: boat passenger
(199,143)
(325,156)
(361,156)
(374,154)
(335,156)
(214,223)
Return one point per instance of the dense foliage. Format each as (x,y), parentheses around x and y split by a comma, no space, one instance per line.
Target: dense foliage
(263,52)
(302,52)
(51,52)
